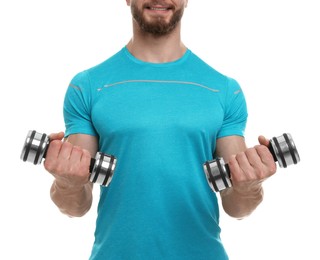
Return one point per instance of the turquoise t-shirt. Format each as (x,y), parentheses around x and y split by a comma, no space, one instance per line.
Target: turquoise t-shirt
(161,121)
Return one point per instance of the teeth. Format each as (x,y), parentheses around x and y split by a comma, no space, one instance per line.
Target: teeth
(158,9)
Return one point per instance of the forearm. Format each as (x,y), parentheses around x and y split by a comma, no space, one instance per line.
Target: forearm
(72,201)
(241,204)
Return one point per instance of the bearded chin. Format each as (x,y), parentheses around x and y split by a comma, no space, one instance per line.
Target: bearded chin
(158,27)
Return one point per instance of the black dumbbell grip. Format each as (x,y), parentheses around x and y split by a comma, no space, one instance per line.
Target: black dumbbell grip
(270,147)
(92,163)
(228,170)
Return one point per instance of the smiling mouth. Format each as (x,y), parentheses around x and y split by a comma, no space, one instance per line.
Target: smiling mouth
(158,8)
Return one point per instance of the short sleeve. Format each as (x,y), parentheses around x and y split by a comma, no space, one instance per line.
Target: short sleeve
(236,114)
(77,106)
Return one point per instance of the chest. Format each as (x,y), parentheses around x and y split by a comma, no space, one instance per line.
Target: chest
(137,107)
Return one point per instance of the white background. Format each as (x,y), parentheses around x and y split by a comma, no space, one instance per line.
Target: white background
(270,47)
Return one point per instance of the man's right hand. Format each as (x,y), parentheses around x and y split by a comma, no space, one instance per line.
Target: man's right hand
(69,164)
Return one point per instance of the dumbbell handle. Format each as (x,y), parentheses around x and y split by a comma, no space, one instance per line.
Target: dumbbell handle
(282,149)
(36,146)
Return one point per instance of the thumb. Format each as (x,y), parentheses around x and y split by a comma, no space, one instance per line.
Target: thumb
(56,136)
(263,141)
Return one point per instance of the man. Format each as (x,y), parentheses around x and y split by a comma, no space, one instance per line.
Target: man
(162,112)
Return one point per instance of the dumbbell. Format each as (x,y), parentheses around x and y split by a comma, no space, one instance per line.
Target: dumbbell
(282,149)
(36,146)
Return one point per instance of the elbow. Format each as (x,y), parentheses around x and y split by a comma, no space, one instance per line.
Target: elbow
(74,213)
(239,213)
(72,210)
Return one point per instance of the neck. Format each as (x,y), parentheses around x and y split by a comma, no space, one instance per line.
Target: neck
(156,49)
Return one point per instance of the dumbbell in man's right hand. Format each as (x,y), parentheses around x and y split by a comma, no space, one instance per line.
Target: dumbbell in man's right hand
(66,161)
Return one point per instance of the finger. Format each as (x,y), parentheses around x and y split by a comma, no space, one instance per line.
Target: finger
(80,159)
(267,159)
(263,141)
(56,136)
(86,158)
(85,161)
(264,153)
(54,149)
(245,165)
(52,156)
(79,165)
(256,162)
(253,157)
(65,151)
(237,173)
(75,156)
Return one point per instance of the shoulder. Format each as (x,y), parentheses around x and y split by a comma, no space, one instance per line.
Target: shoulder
(115,60)
(95,76)
(211,76)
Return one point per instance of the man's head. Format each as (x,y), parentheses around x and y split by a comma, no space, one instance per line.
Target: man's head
(157,17)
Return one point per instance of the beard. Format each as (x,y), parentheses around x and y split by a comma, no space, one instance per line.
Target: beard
(158,27)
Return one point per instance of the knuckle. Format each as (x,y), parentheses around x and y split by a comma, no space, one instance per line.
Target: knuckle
(67,145)
(263,149)
(260,173)
(86,153)
(76,150)
(232,163)
(55,144)
(49,165)
(273,168)
(251,152)
(240,155)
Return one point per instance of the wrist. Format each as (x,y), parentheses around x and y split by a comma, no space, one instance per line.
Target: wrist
(65,187)
(255,191)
